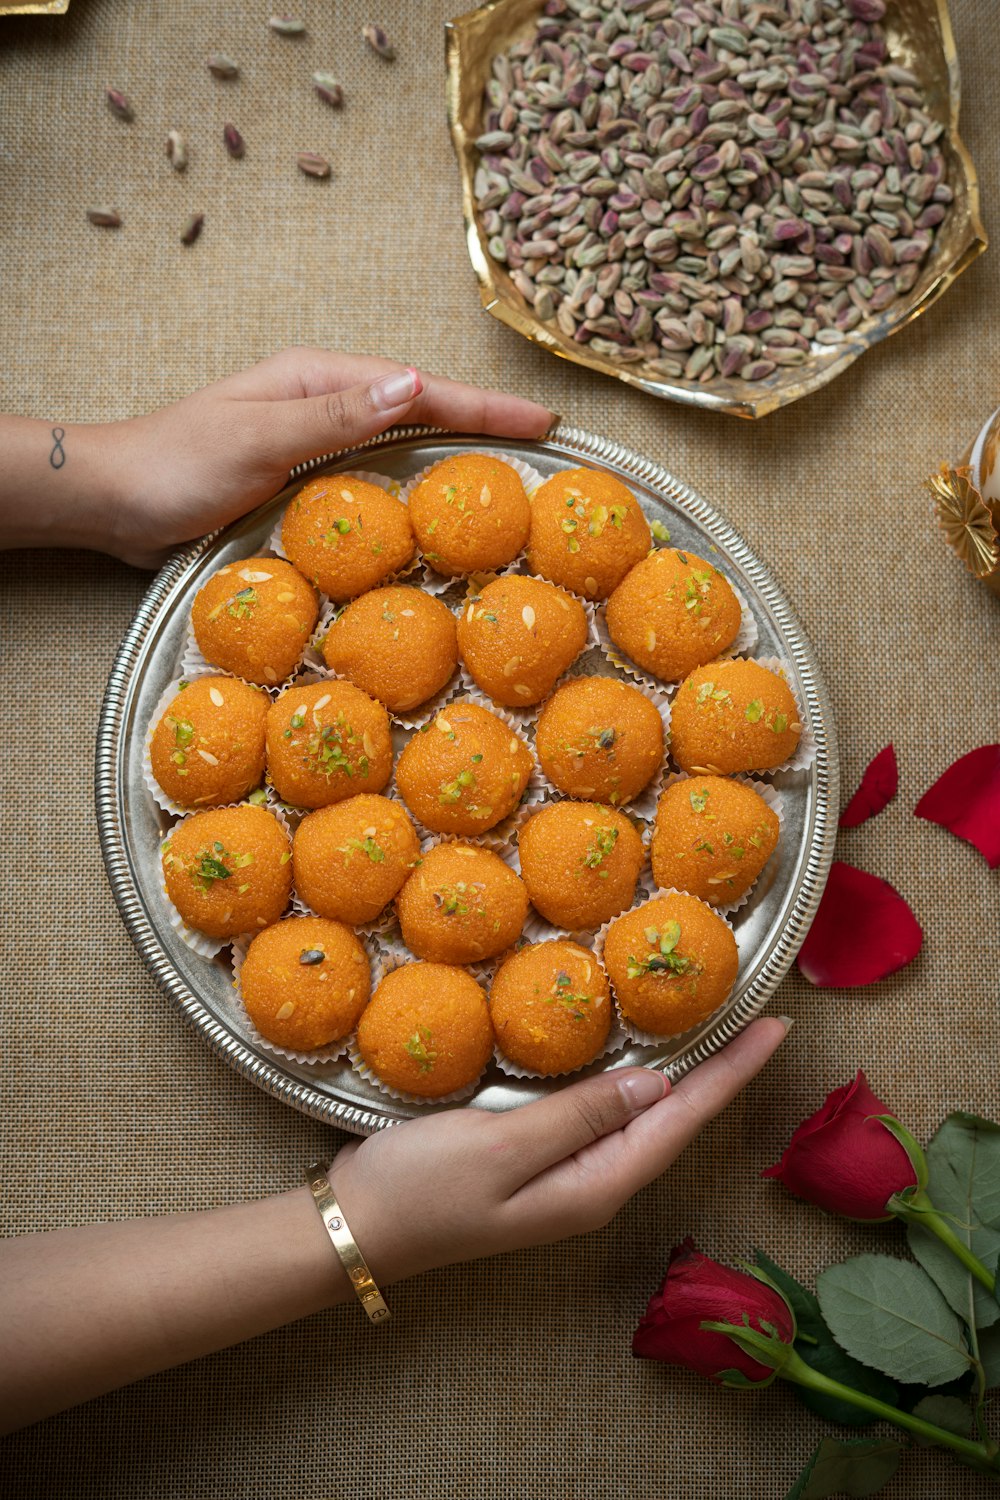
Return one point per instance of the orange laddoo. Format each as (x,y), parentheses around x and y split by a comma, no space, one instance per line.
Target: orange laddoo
(672,612)
(397,643)
(465,771)
(470,513)
(426,1030)
(518,636)
(346,535)
(587,530)
(462,904)
(712,838)
(229,870)
(208,746)
(254,618)
(733,716)
(551,1007)
(305,982)
(327,741)
(672,962)
(600,739)
(349,860)
(580,863)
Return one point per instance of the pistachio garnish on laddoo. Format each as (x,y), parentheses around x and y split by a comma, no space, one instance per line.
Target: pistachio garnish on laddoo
(587,531)
(207,748)
(672,962)
(733,716)
(305,982)
(712,838)
(350,859)
(551,1007)
(327,741)
(465,771)
(580,863)
(346,534)
(470,514)
(462,904)
(518,636)
(228,871)
(599,739)
(673,612)
(254,617)
(426,1030)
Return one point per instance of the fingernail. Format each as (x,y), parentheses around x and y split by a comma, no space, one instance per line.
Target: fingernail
(395,389)
(788,1022)
(640,1090)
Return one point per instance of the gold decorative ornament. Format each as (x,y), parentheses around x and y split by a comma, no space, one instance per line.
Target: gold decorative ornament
(967,504)
(36,8)
(964,518)
(919,37)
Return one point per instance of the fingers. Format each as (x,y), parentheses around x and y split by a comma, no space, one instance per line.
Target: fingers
(468,408)
(299,375)
(551,1129)
(289,432)
(658,1136)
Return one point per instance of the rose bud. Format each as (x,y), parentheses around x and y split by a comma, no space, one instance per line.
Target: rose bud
(696,1290)
(844,1159)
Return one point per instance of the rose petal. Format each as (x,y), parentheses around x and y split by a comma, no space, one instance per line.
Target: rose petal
(878,787)
(863,931)
(966,801)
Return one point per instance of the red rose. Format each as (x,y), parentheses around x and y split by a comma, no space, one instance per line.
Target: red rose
(696,1290)
(844,1160)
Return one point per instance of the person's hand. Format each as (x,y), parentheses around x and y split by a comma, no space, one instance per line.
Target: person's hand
(208,459)
(466,1183)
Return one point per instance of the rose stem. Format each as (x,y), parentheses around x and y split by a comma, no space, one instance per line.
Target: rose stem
(980,1455)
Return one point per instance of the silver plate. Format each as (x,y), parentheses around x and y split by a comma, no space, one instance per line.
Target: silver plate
(769,929)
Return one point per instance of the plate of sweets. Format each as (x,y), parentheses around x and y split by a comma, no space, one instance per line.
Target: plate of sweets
(462,768)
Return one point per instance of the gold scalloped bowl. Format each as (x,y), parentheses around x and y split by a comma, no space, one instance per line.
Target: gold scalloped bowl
(920,38)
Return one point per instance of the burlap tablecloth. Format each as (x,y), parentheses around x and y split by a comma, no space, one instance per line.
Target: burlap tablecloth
(512,1377)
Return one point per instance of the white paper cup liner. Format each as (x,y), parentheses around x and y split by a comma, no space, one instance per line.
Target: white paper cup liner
(313,659)
(746,639)
(385,963)
(438,583)
(805,751)
(768,794)
(747,635)
(649,1038)
(330,1053)
(200,942)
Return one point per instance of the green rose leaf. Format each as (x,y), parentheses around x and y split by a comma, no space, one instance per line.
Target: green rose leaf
(964,1163)
(849,1466)
(949,1412)
(889,1314)
(815,1345)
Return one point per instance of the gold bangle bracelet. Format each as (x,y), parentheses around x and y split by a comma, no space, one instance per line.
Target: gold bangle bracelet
(353,1261)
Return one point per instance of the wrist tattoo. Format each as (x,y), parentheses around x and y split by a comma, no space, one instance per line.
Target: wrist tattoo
(58,455)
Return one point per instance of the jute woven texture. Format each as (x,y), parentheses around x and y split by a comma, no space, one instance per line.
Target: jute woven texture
(510,1378)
